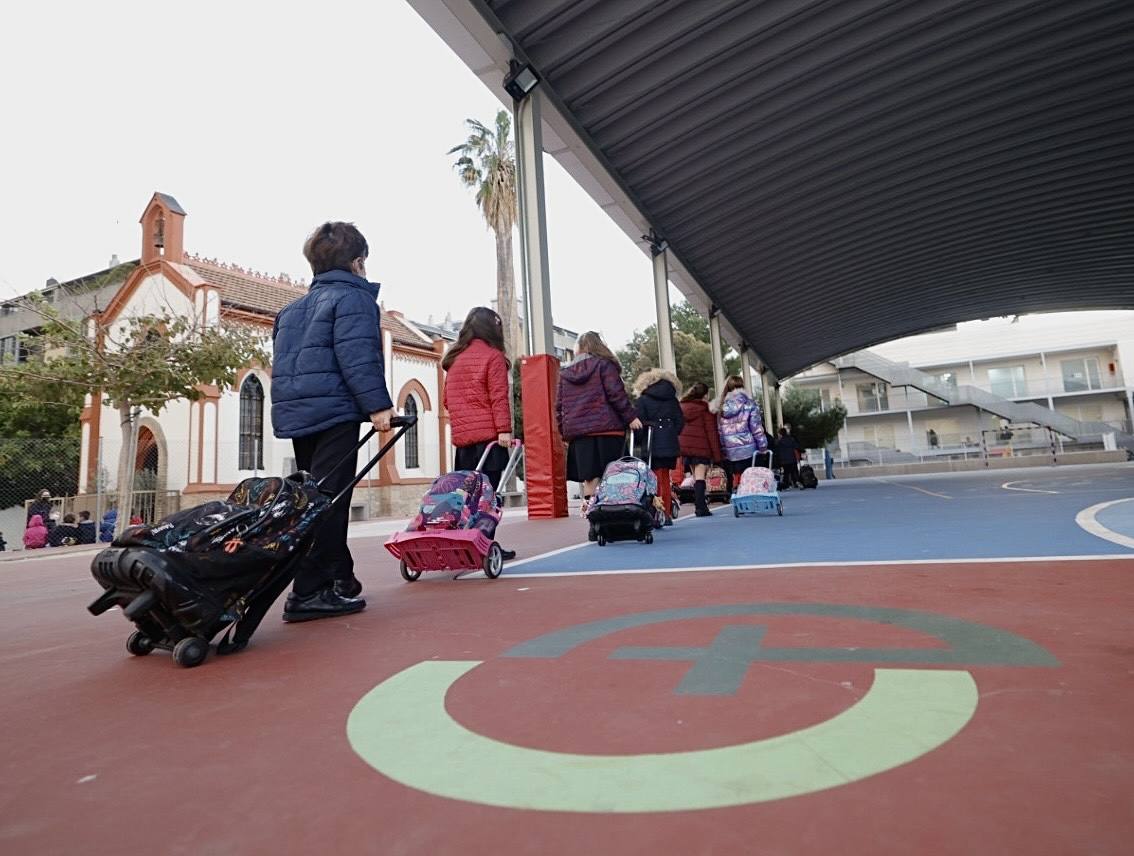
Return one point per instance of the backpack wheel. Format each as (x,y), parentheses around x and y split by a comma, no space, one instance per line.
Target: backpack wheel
(190,652)
(408,574)
(494,561)
(601,540)
(139,644)
(649,539)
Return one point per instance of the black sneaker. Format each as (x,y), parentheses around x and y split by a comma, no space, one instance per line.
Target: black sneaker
(347,588)
(321,604)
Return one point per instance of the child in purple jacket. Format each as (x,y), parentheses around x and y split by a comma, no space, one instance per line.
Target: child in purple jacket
(593,412)
(741,427)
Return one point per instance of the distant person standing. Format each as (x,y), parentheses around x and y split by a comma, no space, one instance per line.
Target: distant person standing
(828,463)
(3,543)
(933,441)
(593,412)
(41,506)
(700,442)
(328,377)
(787,450)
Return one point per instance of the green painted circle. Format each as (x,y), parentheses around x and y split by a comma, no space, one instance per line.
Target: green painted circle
(402,729)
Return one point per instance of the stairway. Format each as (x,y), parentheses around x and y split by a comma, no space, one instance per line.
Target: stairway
(902,374)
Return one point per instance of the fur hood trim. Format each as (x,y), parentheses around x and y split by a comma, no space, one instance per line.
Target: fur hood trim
(649,378)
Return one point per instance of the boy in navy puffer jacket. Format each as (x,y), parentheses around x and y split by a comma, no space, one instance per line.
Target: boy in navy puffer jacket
(328,376)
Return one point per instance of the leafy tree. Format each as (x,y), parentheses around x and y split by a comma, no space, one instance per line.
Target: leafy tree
(691,349)
(487,163)
(810,424)
(39,444)
(133,364)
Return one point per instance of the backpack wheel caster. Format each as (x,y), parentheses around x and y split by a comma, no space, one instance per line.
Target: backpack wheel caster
(139,644)
(190,652)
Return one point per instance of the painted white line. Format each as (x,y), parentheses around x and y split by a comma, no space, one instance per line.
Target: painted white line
(1008,486)
(1087,519)
(515,563)
(912,487)
(978,560)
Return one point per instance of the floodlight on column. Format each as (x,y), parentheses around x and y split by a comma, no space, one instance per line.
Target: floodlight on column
(521,80)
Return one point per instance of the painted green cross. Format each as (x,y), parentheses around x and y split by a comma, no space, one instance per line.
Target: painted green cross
(718,669)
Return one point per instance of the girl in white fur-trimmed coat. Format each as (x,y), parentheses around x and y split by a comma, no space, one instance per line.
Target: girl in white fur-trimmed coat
(659,409)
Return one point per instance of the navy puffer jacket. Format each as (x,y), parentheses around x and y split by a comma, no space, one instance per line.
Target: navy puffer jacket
(327,364)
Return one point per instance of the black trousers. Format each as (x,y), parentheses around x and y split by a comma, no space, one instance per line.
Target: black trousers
(329,558)
(791,473)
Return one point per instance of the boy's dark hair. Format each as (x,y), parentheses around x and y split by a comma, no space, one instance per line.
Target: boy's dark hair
(333,246)
(84,515)
(69,518)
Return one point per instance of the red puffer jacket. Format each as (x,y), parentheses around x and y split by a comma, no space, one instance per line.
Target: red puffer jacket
(700,438)
(477,395)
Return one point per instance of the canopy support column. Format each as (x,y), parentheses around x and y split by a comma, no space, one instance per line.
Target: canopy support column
(667,360)
(544,461)
(746,368)
(715,345)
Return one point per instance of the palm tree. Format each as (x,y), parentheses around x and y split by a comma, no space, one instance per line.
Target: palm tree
(487,162)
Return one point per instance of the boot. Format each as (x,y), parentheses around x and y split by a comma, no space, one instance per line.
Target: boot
(702,507)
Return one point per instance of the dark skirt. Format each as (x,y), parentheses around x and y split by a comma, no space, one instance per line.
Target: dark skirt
(468,457)
(588,457)
(692,462)
(663,463)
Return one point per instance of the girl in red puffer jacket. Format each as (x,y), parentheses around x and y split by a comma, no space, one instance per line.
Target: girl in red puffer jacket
(478,396)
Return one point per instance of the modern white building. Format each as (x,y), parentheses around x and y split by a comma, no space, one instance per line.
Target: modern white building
(1066,378)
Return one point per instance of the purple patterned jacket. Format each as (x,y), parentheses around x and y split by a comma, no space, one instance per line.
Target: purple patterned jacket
(592,399)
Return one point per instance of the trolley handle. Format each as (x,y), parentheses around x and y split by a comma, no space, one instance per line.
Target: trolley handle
(402,423)
(649,443)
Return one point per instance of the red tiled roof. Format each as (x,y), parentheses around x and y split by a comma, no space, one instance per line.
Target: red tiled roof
(245,289)
(267,295)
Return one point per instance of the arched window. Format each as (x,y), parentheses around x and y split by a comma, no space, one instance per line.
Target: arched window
(413,460)
(251,424)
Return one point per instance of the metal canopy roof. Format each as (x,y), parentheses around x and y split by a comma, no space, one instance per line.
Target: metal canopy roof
(836,174)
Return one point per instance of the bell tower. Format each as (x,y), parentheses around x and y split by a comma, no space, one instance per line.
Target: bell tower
(163,230)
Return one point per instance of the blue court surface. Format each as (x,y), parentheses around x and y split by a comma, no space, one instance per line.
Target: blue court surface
(1040,512)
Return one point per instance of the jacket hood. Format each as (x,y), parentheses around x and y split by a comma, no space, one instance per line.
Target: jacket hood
(35,521)
(649,379)
(733,403)
(345,277)
(582,368)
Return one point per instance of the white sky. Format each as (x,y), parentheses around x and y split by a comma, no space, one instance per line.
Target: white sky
(263,120)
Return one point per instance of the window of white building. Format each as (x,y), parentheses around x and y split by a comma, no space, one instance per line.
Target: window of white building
(251,424)
(1080,375)
(872,397)
(1007,382)
(413,459)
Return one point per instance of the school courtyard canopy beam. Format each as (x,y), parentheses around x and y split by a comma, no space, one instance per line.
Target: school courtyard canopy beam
(832,175)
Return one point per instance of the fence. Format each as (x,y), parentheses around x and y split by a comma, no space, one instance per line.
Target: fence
(31,467)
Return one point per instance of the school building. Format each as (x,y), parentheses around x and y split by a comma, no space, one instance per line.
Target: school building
(1001,386)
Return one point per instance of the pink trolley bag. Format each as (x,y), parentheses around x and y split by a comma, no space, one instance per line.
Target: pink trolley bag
(757,491)
(624,507)
(455,528)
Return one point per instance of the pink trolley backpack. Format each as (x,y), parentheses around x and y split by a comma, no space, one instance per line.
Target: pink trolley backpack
(455,526)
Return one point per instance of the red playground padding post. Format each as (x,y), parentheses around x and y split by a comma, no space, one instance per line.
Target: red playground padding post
(545,461)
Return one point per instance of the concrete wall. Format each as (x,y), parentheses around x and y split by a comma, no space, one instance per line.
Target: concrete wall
(1022,462)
